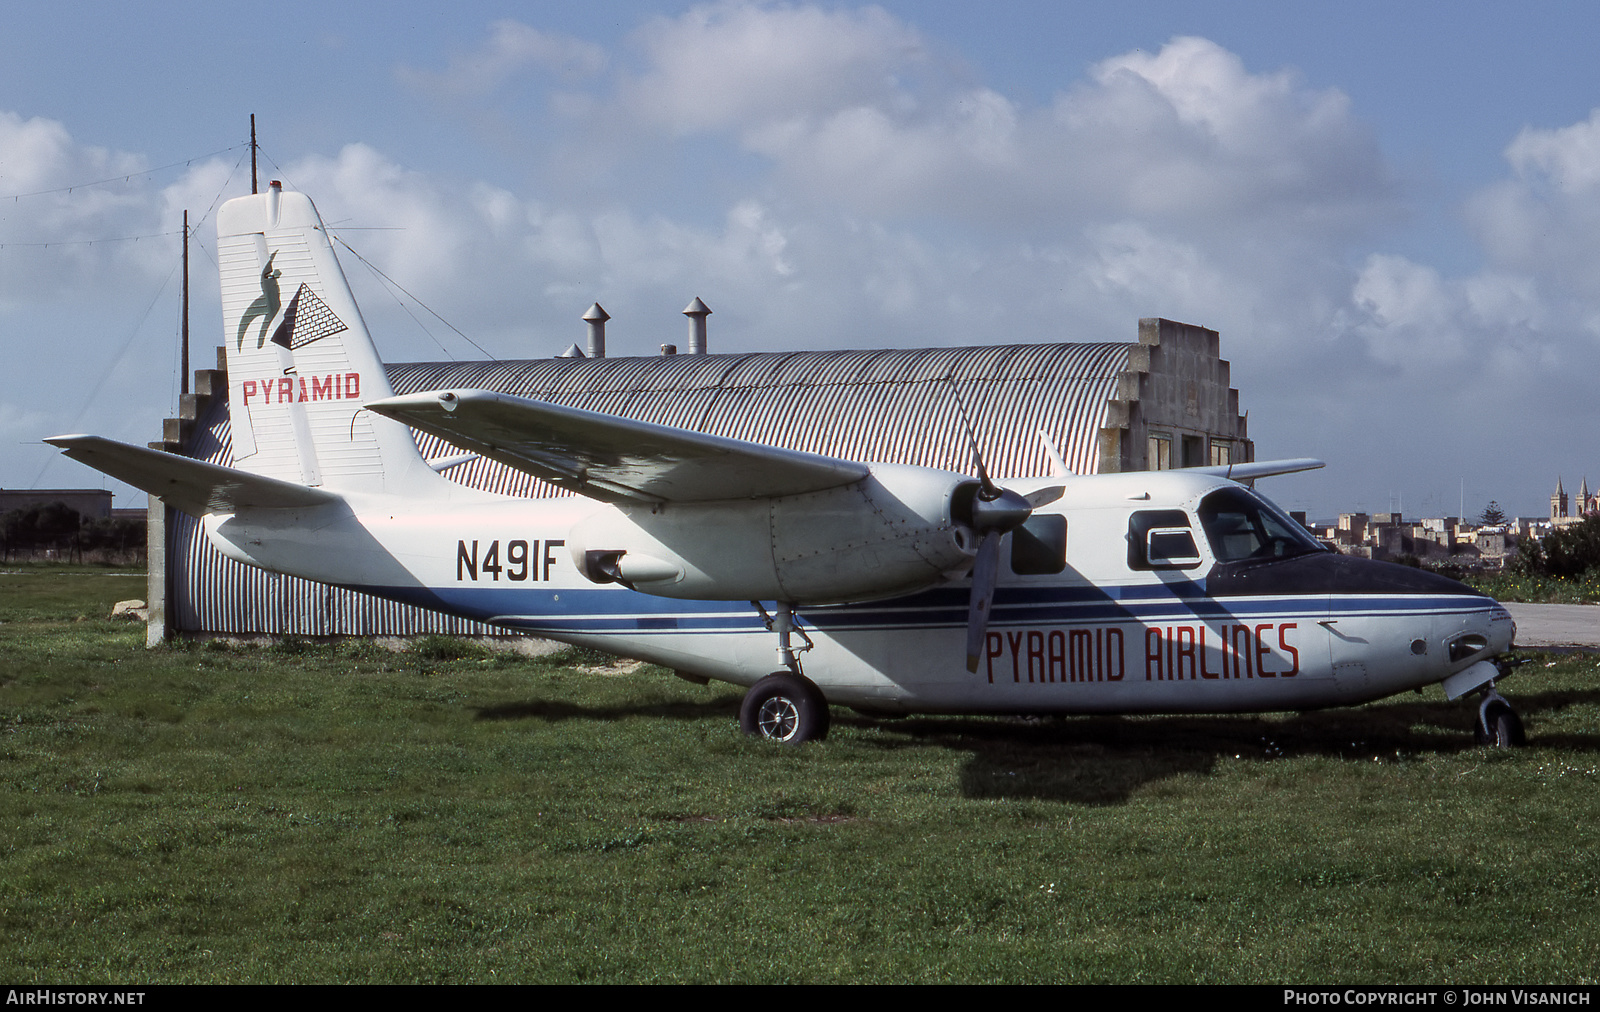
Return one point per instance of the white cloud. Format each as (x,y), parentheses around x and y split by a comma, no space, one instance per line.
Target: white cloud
(1528,312)
(1545,219)
(851,112)
(39,154)
(1568,158)
(1189,133)
(511,48)
(59,233)
(741,66)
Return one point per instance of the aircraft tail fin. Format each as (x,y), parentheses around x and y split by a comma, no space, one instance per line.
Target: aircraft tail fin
(301,363)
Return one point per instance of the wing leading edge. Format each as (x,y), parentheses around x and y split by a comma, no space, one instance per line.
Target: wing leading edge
(1258,468)
(615,459)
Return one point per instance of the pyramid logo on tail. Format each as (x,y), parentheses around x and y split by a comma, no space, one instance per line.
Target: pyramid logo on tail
(307,319)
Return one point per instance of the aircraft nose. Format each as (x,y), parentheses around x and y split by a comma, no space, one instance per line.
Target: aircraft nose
(1502,628)
(1479,635)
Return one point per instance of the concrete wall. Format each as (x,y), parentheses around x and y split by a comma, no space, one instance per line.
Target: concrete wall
(1177,387)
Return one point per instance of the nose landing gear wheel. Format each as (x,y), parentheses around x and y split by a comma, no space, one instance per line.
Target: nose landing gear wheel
(784,707)
(1498,725)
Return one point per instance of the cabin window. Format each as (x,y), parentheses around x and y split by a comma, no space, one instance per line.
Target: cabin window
(1171,546)
(1161,539)
(1241,526)
(1039,546)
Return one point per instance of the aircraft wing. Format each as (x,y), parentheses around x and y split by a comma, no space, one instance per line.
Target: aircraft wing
(1258,468)
(614,459)
(193,486)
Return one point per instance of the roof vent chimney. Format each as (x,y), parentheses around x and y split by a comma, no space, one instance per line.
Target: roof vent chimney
(596,318)
(697,312)
(669,349)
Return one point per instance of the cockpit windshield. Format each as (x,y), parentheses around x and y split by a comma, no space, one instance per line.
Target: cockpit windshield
(1241,525)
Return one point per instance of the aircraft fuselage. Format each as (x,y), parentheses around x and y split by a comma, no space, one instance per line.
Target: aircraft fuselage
(1103,630)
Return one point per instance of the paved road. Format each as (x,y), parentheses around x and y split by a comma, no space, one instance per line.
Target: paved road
(1556,625)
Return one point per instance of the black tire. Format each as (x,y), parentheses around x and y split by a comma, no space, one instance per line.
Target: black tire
(1502,730)
(784,707)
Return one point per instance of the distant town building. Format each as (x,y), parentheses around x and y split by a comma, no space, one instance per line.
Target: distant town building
(1454,540)
(1429,540)
(1563,513)
(90,503)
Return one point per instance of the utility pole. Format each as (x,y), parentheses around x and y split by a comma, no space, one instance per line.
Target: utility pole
(184,368)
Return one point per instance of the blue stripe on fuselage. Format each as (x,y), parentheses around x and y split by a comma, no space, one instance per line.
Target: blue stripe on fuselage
(617,611)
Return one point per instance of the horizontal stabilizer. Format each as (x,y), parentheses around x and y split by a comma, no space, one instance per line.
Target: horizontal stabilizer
(193,486)
(615,459)
(1258,468)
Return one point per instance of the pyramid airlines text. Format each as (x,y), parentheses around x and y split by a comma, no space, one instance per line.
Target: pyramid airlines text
(1157,653)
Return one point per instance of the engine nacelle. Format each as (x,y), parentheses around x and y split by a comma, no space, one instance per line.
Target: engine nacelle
(890,533)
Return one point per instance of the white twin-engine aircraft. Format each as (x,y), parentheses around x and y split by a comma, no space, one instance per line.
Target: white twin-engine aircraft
(884,587)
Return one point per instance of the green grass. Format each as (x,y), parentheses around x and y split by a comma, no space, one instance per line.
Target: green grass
(1583,589)
(321,814)
(43,591)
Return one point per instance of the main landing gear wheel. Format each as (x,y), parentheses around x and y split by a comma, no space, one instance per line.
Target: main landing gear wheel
(1498,724)
(784,707)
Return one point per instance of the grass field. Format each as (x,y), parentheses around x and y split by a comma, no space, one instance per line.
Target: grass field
(1584,589)
(327,814)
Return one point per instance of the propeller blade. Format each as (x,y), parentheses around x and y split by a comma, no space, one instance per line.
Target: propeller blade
(990,490)
(985,569)
(1045,496)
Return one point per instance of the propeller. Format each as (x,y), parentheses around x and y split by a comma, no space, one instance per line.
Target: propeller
(991,512)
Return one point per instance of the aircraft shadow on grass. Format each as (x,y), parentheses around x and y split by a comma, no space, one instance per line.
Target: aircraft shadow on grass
(1106,760)
(556,710)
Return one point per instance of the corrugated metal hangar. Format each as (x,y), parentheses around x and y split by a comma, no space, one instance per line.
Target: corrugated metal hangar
(1161,401)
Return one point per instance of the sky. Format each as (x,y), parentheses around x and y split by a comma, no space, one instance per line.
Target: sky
(1388,211)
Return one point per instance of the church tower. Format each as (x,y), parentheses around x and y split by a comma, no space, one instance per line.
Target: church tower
(1558,502)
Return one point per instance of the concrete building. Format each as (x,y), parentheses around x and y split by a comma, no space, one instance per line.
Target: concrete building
(91,503)
(1564,512)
